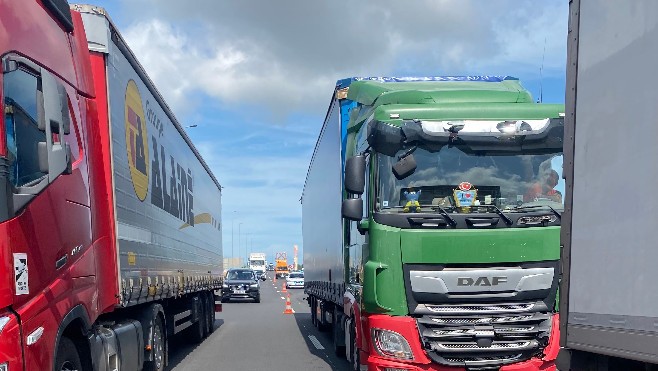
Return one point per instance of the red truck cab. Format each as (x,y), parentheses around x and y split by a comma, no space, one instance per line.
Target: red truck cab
(48,283)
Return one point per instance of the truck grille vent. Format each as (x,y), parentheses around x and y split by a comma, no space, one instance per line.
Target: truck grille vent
(483,335)
(475,360)
(482,320)
(494,346)
(479,308)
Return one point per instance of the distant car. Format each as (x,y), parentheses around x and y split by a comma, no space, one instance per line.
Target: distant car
(295,280)
(270,267)
(241,283)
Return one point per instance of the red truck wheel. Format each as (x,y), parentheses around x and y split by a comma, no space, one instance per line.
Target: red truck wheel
(67,358)
(158,341)
(355,356)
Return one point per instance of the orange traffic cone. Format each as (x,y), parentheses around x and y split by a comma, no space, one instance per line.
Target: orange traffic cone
(288,306)
(284,288)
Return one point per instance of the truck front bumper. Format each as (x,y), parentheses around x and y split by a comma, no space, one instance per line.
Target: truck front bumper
(406,326)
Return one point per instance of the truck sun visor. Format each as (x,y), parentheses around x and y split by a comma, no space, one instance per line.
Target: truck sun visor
(536,135)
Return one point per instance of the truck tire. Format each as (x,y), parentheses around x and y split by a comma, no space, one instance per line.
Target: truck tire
(197,330)
(355,355)
(337,326)
(67,357)
(159,346)
(314,307)
(319,322)
(210,322)
(203,316)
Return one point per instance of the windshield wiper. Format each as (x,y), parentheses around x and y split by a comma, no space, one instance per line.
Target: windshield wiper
(507,220)
(557,213)
(444,214)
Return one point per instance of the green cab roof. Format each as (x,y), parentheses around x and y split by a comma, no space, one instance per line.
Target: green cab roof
(373,93)
(393,102)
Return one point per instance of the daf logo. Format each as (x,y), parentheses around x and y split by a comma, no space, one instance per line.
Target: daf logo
(481,281)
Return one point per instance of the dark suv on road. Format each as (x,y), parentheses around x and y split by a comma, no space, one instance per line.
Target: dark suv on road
(240,283)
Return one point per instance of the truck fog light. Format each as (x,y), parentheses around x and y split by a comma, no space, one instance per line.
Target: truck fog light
(391,344)
(4,367)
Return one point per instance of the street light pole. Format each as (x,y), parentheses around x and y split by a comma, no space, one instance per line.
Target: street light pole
(246,244)
(232,250)
(239,237)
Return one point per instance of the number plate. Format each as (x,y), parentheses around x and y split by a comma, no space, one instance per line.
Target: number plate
(239,291)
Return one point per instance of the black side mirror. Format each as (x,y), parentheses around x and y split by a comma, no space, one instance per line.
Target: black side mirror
(355,174)
(352,209)
(405,167)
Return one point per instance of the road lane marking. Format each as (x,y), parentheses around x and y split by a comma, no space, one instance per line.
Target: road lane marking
(316,342)
(283,298)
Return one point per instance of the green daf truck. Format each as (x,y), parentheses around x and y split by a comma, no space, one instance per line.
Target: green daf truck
(431,224)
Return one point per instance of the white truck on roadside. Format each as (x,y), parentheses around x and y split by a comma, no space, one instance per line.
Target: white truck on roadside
(257,263)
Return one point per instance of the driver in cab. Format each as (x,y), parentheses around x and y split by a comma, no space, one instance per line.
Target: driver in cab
(544,188)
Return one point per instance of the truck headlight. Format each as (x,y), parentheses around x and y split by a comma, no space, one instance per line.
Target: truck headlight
(4,367)
(3,323)
(391,344)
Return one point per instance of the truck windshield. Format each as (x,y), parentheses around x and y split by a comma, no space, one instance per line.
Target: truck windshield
(455,180)
(258,262)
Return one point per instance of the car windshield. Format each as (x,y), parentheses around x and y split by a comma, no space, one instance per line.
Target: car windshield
(455,181)
(240,275)
(296,275)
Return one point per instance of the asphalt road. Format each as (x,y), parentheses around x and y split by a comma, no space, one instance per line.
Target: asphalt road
(250,336)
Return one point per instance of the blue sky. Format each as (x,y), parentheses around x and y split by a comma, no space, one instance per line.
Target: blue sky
(256,78)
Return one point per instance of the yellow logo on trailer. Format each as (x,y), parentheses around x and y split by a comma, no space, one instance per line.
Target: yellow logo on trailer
(136,141)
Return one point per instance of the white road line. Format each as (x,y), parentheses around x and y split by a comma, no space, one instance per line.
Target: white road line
(283,298)
(315,342)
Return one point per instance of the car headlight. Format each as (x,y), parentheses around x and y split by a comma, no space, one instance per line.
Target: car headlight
(391,344)
(224,286)
(253,285)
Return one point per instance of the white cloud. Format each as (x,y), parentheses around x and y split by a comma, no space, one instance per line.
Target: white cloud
(286,55)
(166,55)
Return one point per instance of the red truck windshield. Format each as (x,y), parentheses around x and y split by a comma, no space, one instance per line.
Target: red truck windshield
(21,128)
